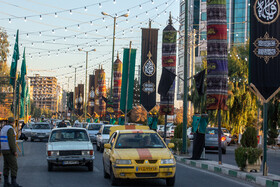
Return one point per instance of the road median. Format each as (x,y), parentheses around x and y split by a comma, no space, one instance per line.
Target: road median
(270,181)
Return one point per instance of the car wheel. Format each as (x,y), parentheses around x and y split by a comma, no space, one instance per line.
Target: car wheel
(170,181)
(90,166)
(50,166)
(105,174)
(97,147)
(114,180)
(31,139)
(224,151)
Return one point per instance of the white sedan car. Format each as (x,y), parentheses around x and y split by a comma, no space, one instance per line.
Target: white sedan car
(70,147)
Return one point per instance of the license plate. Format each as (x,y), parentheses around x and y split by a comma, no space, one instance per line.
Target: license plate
(70,162)
(145,168)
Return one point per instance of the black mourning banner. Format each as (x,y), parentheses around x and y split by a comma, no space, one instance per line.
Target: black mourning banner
(264,66)
(148,68)
(70,101)
(166,81)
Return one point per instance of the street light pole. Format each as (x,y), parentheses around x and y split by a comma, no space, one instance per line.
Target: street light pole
(86,87)
(85,109)
(113,50)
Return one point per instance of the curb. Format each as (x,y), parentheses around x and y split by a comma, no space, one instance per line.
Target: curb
(221,169)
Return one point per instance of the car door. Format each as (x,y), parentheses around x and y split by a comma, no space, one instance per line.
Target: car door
(99,135)
(107,152)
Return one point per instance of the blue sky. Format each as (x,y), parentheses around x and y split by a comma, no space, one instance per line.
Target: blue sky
(53,30)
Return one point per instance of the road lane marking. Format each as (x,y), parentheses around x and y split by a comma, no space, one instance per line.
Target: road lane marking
(217,175)
(96,169)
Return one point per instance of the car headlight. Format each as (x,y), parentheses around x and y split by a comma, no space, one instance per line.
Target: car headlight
(53,153)
(167,161)
(124,162)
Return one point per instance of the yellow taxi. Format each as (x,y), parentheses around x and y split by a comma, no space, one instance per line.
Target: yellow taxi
(134,152)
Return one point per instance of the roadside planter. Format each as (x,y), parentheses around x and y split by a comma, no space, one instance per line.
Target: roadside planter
(248,156)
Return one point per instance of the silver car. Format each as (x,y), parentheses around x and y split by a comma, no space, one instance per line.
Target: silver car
(40,131)
(93,129)
(211,140)
(26,131)
(103,137)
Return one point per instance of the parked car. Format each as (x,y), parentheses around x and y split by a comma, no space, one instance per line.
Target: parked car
(102,137)
(138,154)
(211,140)
(93,129)
(170,131)
(227,135)
(40,131)
(70,147)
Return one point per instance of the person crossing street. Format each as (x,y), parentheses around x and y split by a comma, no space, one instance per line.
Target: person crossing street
(9,152)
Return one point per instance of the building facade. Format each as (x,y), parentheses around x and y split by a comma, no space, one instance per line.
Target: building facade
(45,92)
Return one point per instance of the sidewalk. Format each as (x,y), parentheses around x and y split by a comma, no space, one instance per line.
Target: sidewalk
(233,171)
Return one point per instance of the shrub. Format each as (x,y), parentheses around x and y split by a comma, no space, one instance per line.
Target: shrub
(253,154)
(241,157)
(178,133)
(249,138)
(272,135)
(178,143)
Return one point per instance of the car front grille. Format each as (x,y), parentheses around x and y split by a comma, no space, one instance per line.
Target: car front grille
(139,161)
(68,153)
(145,174)
(142,161)
(152,161)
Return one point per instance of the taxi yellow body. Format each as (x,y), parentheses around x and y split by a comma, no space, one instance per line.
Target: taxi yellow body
(138,154)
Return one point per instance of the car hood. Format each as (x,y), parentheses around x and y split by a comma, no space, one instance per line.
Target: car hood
(71,145)
(142,154)
(93,132)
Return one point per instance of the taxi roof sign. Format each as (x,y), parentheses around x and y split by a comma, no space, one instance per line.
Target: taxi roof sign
(128,127)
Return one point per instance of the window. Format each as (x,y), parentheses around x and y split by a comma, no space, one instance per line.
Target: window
(203,16)
(69,135)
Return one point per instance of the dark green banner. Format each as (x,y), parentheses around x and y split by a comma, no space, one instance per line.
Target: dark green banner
(131,66)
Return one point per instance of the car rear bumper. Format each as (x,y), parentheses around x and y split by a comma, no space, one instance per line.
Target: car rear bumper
(214,145)
(130,172)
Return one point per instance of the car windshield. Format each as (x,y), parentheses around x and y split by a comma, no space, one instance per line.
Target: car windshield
(139,140)
(95,127)
(69,135)
(41,126)
(106,130)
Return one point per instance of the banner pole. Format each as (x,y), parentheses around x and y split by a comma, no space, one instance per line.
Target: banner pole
(127,84)
(185,99)
(264,138)
(219,136)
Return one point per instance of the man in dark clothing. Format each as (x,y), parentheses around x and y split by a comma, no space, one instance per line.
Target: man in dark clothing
(62,124)
(8,148)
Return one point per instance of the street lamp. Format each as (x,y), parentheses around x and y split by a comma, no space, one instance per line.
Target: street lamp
(114,37)
(86,79)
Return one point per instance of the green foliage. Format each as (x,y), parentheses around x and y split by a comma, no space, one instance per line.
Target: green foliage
(253,154)
(272,134)
(249,138)
(241,157)
(242,154)
(178,132)
(178,144)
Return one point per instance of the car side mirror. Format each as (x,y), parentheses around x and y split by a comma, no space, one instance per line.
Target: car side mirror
(107,146)
(170,145)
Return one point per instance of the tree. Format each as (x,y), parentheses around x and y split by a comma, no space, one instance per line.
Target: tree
(4,70)
(136,92)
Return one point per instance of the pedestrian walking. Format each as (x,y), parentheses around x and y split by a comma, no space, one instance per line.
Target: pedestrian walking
(8,148)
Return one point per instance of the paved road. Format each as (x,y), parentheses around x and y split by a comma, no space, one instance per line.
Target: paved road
(33,173)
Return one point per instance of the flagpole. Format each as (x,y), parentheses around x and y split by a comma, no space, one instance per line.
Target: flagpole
(127,84)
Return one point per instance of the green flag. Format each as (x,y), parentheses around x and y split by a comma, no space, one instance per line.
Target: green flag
(14,62)
(125,78)
(23,74)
